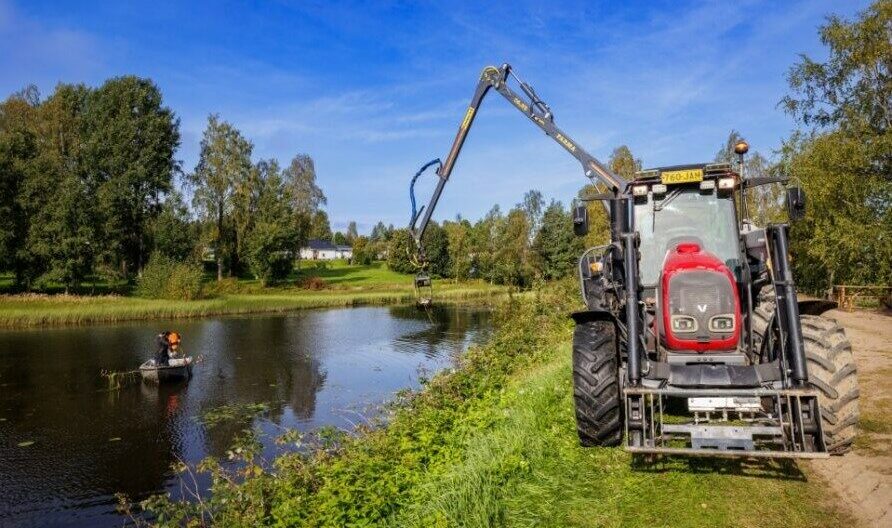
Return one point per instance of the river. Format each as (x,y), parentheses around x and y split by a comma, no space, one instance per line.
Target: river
(68,443)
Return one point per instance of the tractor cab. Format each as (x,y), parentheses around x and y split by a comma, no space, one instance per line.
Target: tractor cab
(685,204)
(690,260)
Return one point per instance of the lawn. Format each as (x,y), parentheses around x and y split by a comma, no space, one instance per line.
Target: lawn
(339,273)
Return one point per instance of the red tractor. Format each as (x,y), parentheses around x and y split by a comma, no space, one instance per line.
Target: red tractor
(693,340)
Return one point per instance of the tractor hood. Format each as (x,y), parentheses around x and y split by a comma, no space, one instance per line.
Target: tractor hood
(699,301)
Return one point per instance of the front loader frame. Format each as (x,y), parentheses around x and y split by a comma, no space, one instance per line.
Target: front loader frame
(791,428)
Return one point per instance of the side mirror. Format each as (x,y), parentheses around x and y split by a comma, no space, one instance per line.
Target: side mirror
(795,203)
(580,220)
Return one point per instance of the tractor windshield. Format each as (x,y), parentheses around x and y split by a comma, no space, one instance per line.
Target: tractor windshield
(685,215)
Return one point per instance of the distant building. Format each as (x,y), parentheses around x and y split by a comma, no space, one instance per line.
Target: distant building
(325,250)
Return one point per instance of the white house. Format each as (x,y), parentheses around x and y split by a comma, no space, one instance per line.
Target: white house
(325,250)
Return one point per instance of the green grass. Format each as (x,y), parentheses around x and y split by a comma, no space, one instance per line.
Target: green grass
(344,286)
(339,273)
(494,444)
(527,469)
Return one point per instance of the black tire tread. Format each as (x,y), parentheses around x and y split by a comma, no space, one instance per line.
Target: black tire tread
(596,391)
(831,370)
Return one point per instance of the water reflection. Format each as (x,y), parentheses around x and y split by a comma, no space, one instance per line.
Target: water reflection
(313,368)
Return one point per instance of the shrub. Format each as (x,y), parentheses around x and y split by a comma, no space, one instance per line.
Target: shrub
(226,286)
(164,278)
(400,252)
(314,283)
(268,254)
(363,252)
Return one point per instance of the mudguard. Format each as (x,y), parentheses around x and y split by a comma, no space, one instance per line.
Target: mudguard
(585,316)
(816,306)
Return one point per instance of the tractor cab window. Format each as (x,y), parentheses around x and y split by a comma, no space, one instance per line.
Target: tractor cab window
(682,215)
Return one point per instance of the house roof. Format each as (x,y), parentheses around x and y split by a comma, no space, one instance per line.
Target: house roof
(345,248)
(320,245)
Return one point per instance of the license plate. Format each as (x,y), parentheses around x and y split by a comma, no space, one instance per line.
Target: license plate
(681,176)
(724,403)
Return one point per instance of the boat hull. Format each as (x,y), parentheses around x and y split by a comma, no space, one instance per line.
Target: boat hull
(163,374)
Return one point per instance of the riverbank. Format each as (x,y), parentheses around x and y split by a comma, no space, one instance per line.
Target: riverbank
(493,443)
(24,311)
(317,285)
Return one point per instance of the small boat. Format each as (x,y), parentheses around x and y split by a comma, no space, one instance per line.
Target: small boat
(177,370)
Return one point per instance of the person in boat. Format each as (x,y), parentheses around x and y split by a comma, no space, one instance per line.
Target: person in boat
(168,343)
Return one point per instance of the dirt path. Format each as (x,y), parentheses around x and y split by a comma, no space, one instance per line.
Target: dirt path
(863,478)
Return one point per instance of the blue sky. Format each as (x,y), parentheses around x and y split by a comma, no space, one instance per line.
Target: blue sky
(373,90)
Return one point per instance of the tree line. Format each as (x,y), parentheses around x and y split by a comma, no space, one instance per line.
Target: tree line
(842,154)
(532,241)
(88,190)
(81,173)
(257,215)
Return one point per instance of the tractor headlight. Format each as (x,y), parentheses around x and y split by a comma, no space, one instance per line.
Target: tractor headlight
(721,324)
(684,324)
(639,190)
(726,184)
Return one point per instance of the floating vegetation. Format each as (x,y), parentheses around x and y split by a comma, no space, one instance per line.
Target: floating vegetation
(240,412)
(118,380)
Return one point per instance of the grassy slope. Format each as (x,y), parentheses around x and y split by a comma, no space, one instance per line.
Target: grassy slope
(348,286)
(494,444)
(528,470)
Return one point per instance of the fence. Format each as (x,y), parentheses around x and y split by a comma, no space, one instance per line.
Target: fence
(850,296)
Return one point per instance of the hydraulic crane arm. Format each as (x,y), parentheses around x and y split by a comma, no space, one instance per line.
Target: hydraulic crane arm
(537,111)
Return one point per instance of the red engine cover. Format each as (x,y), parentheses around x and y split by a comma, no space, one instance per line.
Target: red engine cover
(699,288)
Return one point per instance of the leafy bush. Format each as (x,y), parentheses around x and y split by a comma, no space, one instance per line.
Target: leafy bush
(268,252)
(314,283)
(400,251)
(363,252)
(164,278)
(226,286)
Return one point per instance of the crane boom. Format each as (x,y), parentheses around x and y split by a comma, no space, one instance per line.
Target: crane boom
(537,111)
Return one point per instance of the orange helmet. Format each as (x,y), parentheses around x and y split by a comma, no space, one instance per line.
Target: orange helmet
(173,338)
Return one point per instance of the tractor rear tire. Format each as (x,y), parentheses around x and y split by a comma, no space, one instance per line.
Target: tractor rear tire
(596,390)
(831,370)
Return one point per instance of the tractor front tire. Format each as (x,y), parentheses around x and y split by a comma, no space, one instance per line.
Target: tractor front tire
(596,390)
(831,370)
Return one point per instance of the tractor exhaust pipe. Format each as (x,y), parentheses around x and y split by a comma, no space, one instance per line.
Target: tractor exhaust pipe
(787,305)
